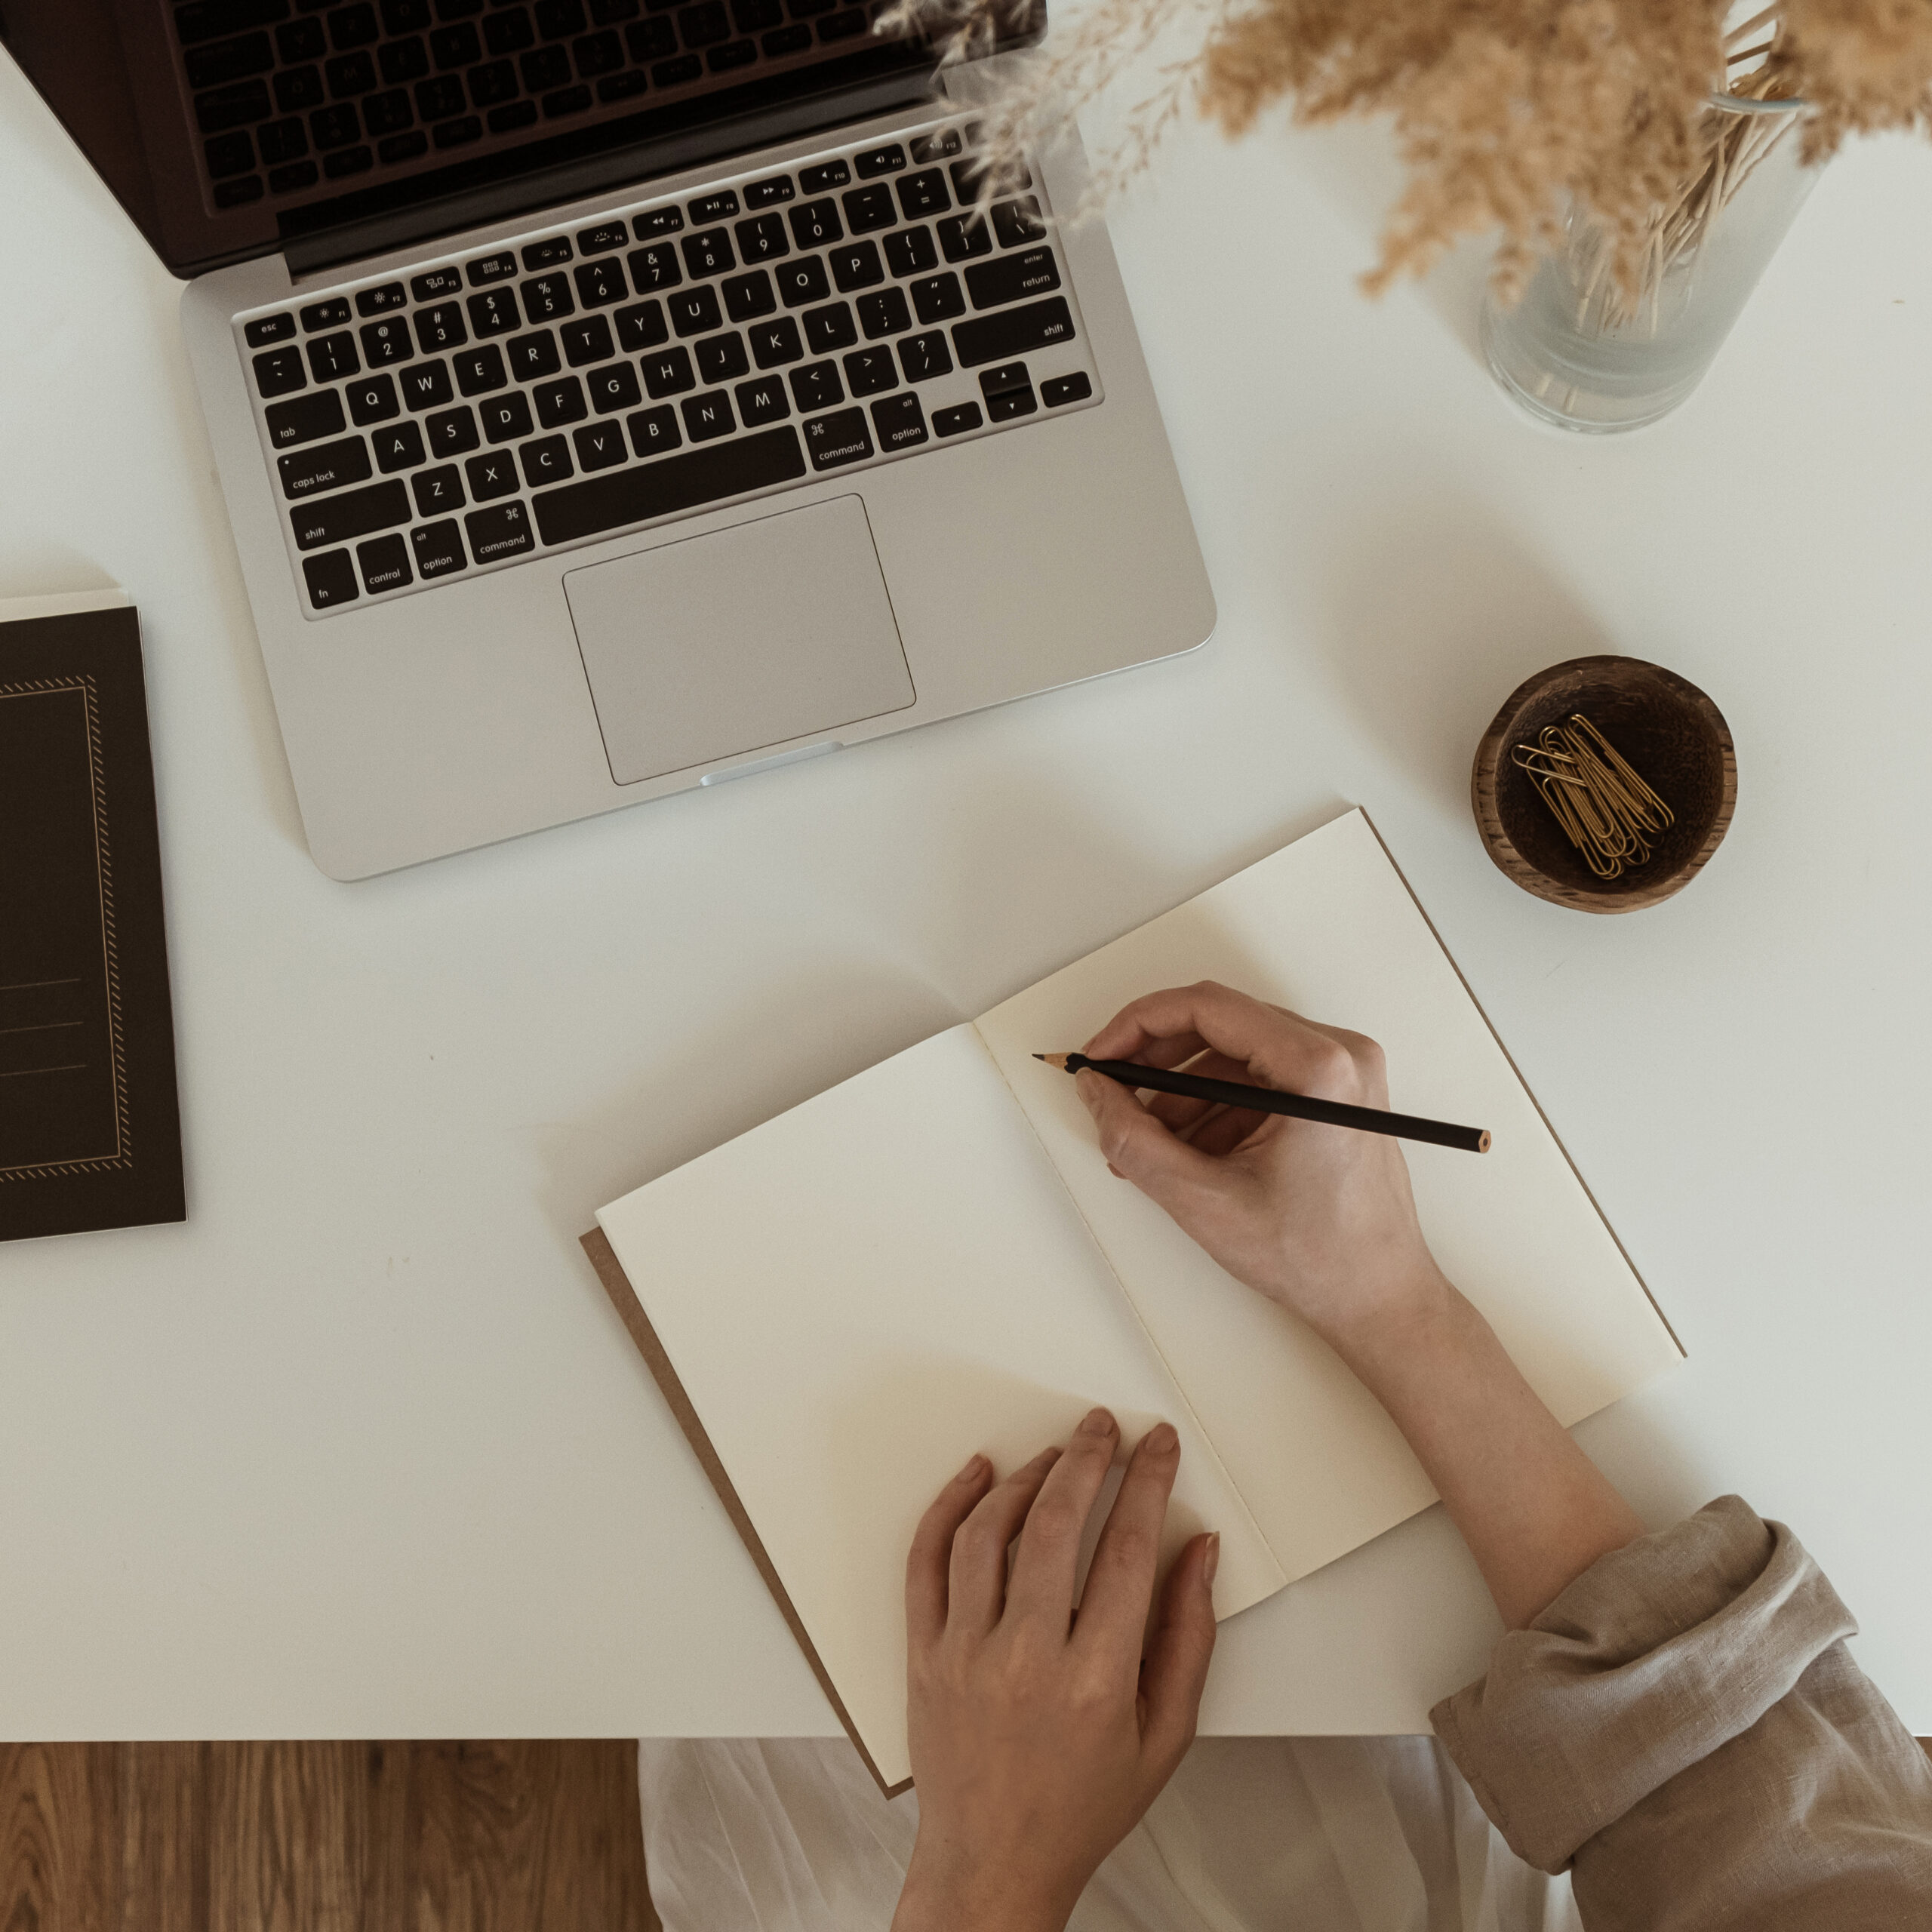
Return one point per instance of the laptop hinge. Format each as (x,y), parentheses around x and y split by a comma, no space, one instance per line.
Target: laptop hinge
(623,167)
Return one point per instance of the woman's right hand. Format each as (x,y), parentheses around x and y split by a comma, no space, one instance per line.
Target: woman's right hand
(1319,1218)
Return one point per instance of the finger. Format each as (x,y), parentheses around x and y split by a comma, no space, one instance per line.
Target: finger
(1139,1149)
(1042,1587)
(976,1575)
(1176,1111)
(1278,1049)
(1176,1671)
(931,1553)
(1232,1127)
(1120,1584)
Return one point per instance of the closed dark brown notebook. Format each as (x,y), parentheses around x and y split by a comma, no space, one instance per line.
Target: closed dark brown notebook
(90,1127)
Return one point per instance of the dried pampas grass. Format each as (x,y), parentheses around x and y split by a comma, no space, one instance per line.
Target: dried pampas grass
(1506,113)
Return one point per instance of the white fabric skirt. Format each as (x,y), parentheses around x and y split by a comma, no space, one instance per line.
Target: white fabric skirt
(1253,1834)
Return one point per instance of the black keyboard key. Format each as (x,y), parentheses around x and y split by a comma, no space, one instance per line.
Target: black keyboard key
(654,431)
(708,416)
(551,253)
(278,371)
(775,343)
(655,268)
(924,194)
(898,422)
(659,221)
(335,126)
(747,297)
(548,298)
(923,357)
(304,418)
(599,445)
(229,154)
(547,67)
(733,53)
(843,27)
(208,20)
(491,268)
(835,440)
(762,238)
(867,210)
(1009,392)
(803,281)
(934,147)
(957,420)
(352,27)
(694,311)
(816,385)
(510,32)
(599,284)
(709,252)
(969,178)
(480,371)
(348,161)
(556,20)
(508,120)
(782,42)
(1012,278)
(597,54)
(963,236)
(331,579)
(547,460)
(402,61)
(720,358)
(452,432)
(438,549)
(437,491)
(761,401)
(282,141)
(827,174)
(856,265)
(1012,332)
(405,16)
(560,402)
(830,327)
(869,371)
(652,489)
(493,85)
(293,178)
(700,25)
(399,446)
(297,89)
(613,387)
(265,329)
(1063,389)
(349,75)
(815,224)
(492,476)
(718,206)
(440,327)
(937,297)
(238,106)
(328,466)
(458,133)
(910,252)
(1018,223)
(885,313)
(642,327)
(775,188)
(500,533)
(332,314)
(385,562)
(493,312)
(755,16)
(530,356)
(678,73)
(506,419)
(386,342)
(235,194)
(668,372)
(602,239)
(372,400)
(587,341)
(354,513)
(435,285)
(439,99)
(332,357)
(888,160)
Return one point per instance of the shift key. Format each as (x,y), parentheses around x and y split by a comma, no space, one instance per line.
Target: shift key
(1010,332)
(357,513)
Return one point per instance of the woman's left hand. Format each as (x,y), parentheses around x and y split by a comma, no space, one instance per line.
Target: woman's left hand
(1039,1735)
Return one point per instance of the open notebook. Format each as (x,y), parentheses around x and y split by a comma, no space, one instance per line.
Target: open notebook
(931,1258)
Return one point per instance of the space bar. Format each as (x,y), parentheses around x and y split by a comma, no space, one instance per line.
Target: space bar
(673,484)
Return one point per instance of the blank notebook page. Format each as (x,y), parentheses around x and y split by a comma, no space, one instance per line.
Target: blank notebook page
(857,1296)
(1327,927)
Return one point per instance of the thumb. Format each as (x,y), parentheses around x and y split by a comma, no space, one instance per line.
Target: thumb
(1140,1149)
(1175,1673)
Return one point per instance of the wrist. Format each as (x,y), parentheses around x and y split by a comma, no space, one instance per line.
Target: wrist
(1412,1307)
(947,1890)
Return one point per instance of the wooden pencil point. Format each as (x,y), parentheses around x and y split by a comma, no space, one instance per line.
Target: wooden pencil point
(1054,1059)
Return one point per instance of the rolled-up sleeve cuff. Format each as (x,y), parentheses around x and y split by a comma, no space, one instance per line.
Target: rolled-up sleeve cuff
(1655,1656)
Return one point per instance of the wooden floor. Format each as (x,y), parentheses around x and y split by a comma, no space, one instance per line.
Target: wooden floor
(322,1838)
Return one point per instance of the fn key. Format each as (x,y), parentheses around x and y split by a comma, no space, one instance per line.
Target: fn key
(331,579)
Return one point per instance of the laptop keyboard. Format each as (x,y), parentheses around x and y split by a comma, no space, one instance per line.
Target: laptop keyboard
(847,312)
(290,94)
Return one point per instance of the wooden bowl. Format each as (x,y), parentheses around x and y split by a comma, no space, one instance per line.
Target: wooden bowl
(1674,737)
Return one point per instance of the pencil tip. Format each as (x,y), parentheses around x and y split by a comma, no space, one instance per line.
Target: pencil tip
(1039,1055)
(1054,1059)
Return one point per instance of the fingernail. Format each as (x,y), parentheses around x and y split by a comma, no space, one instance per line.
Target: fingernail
(975,1469)
(1163,1441)
(1098,1423)
(1211,1561)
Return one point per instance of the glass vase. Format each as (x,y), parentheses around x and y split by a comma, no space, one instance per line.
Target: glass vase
(1586,351)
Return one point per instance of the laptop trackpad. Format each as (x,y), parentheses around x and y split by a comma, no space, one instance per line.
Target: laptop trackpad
(722,644)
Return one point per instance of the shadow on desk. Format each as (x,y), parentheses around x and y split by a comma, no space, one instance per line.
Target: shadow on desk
(540,1836)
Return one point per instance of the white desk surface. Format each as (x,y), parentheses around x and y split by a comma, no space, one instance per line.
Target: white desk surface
(361,1450)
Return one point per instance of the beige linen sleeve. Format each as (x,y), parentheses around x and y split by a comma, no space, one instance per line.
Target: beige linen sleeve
(1684,1728)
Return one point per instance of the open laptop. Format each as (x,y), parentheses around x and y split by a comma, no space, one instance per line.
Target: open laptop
(612,397)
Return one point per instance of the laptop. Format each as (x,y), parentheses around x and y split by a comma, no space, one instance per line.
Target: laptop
(616,397)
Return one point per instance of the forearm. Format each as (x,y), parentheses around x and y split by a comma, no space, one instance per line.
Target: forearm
(1534,1510)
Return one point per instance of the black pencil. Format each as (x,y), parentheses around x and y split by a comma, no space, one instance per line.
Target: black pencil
(1272,1100)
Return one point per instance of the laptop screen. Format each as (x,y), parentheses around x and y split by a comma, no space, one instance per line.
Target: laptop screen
(230,128)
